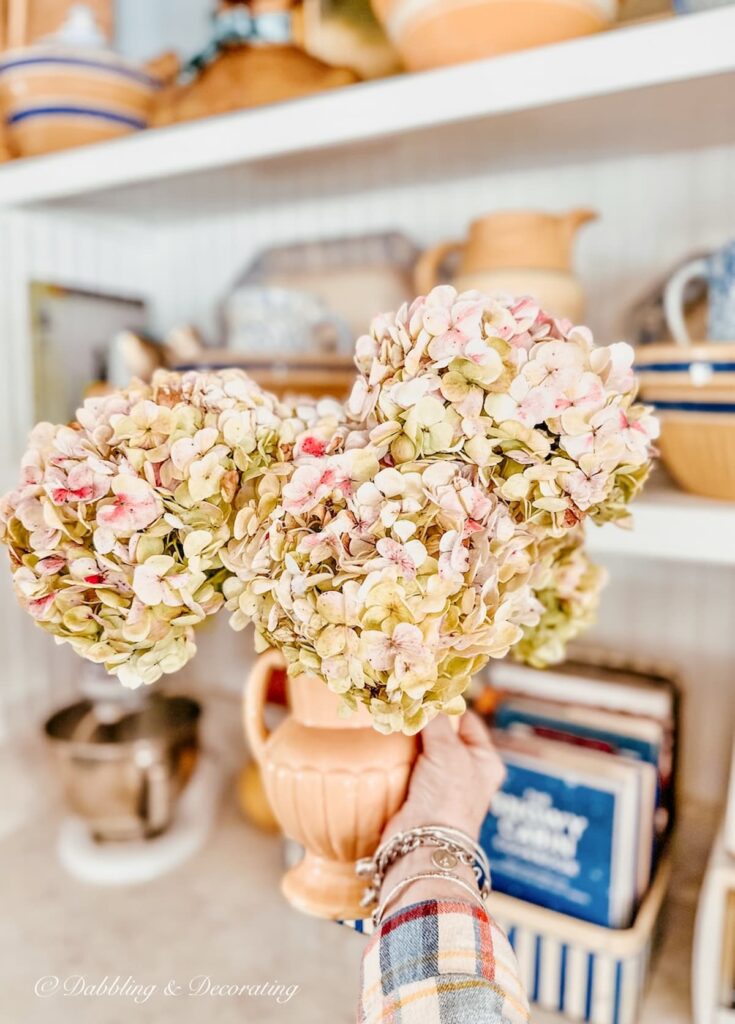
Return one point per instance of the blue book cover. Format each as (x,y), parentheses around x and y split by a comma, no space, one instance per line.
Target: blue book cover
(546,720)
(563,832)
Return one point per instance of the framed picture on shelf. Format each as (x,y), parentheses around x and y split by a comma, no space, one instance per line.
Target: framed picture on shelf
(72,343)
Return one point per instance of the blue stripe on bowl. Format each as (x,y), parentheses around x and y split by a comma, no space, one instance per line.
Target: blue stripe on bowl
(81,62)
(674,367)
(693,406)
(102,115)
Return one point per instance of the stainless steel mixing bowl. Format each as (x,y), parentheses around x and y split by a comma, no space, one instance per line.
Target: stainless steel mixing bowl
(123,770)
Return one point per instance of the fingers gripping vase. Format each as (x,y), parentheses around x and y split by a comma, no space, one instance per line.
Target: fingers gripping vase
(333,783)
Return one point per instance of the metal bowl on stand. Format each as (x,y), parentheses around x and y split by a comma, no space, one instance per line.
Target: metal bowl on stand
(123,767)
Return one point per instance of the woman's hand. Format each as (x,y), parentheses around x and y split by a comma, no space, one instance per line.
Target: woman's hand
(453,782)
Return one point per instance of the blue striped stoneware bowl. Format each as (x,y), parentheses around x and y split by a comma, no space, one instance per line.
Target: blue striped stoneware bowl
(693,391)
(688,378)
(55,98)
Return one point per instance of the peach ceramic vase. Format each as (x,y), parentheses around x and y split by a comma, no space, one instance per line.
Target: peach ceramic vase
(332,782)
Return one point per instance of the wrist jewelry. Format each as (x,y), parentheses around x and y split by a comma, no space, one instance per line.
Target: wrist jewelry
(404,883)
(452,847)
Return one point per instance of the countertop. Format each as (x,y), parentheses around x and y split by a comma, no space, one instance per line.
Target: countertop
(218,918)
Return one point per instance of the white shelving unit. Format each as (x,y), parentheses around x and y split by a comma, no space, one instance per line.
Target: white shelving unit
(619,92)
(672,526)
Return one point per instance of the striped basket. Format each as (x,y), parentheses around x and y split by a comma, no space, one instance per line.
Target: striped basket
(582,971)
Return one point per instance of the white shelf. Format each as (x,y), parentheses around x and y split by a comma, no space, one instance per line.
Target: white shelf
(672,525)
(649,85)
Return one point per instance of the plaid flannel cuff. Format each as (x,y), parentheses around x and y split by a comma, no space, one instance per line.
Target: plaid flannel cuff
(444,961)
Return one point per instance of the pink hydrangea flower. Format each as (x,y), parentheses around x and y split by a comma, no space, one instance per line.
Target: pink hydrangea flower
(134,507)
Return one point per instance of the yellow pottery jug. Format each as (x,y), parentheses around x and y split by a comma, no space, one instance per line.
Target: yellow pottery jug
(332,782)
(515,253)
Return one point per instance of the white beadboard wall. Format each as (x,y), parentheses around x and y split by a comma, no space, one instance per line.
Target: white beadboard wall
(181,246)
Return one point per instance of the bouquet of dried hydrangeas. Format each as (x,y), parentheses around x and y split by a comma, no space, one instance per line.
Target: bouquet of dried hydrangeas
(391,549)
(116,528)
(444,528)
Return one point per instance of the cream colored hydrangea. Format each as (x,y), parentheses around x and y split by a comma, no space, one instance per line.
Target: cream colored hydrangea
(116,528)
(568,586)
(393,584)
(548,418)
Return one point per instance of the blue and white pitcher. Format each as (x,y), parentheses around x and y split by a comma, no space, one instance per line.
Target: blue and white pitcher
(718,270)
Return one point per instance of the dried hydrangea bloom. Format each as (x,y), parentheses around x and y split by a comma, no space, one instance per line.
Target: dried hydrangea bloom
(567,585)
(548,418)
(116,527)
(393,584)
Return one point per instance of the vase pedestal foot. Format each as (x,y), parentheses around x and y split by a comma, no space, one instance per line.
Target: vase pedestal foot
(324,888)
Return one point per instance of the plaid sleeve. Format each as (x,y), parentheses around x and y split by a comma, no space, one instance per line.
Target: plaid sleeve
(442,962)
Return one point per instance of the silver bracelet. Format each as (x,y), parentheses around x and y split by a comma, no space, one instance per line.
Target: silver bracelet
(404,883)
(452,846)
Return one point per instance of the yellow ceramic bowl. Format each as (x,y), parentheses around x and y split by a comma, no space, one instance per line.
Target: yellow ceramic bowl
(434,33)
(55,99)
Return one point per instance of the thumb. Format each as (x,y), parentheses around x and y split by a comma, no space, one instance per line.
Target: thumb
(473,731)
(437,737)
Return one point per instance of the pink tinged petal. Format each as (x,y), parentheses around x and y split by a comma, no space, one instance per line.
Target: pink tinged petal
(525,308)
(134,507)
(378,650)
(408,640)
(301,493)
(87,485)
(51,565)
(311,445)
(436,319)
(82,567)
(40,607)
(447,346)
(537,406)
(44,540)
(578,446)
(402,556)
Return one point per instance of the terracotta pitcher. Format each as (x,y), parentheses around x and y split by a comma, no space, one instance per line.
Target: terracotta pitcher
(333,783)
(515,253)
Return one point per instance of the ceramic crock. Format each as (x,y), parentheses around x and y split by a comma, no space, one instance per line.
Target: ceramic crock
(69,90)
(332,782)
(521,252)
(434,33)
